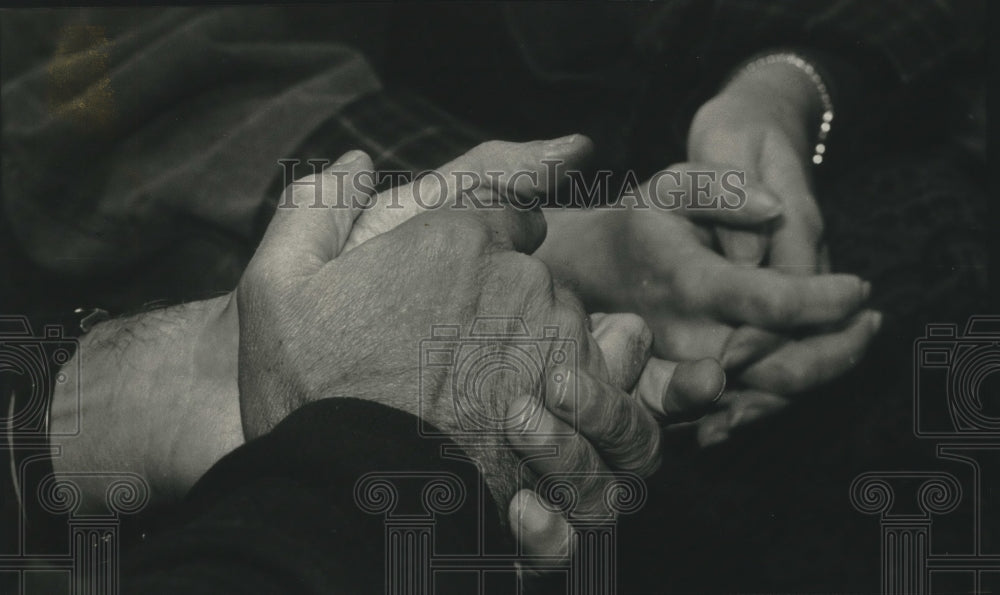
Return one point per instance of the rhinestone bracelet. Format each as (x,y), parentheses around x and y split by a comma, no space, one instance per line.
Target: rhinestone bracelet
(824,95)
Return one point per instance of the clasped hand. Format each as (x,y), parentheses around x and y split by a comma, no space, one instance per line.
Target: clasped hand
(328,309)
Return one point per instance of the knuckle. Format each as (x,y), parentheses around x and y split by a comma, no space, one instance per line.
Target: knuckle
(779,307)
(527,273)
(261,282)
(673,344)
(637,329)
(535,272)
(253,276)
(786,376)
(465,233)
(772,307)
(687,283)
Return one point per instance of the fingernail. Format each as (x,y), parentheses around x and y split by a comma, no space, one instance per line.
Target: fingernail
(722,389)
(349,157)
(741,416)
(875,319)
(866,290)
(735,415)
(561,141)
(534,519)
(712,436)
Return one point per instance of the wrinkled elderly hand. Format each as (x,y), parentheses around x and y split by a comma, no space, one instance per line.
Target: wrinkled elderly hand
(163,397)
(575,399)
(315,326)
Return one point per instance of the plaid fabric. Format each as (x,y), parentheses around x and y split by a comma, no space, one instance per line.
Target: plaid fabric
(399,130)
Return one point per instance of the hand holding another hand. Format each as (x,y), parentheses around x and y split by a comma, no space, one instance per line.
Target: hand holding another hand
(776,333)
(317,322)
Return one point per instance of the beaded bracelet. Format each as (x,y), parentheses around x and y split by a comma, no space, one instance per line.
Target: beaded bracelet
(824,95)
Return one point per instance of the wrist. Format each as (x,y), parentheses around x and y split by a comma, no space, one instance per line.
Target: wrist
(160,396)
(787,85)
(790,84)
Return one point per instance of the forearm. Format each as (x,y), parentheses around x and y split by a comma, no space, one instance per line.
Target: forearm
(159,397)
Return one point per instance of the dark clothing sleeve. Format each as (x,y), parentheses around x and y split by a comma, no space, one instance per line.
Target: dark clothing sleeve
(881,61)
(280,515)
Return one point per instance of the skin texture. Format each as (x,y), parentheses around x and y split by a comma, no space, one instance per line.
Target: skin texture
(775,332)
(135,417)
(158,397)
(764,122)
(465,266)
(302,287)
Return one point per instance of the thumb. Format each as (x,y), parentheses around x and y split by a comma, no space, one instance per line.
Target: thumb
(540,532)
(711,194)
(625,341)
(315,215)
(741,246)
(517,172)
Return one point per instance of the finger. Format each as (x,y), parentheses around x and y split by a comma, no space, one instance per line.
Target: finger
(314,218)
(690,338)
(489,230)
(678,392)
(712,429)
(748,344)
(804,364)
(824,259)
(711,193)
(795,247)
(540,531)
(513,229)
(526,170)
(625,341)
(796,239)
(622,431)
(515,172)
(737,409)
(748,406)
(742,247)
(535,428)
(775,300)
